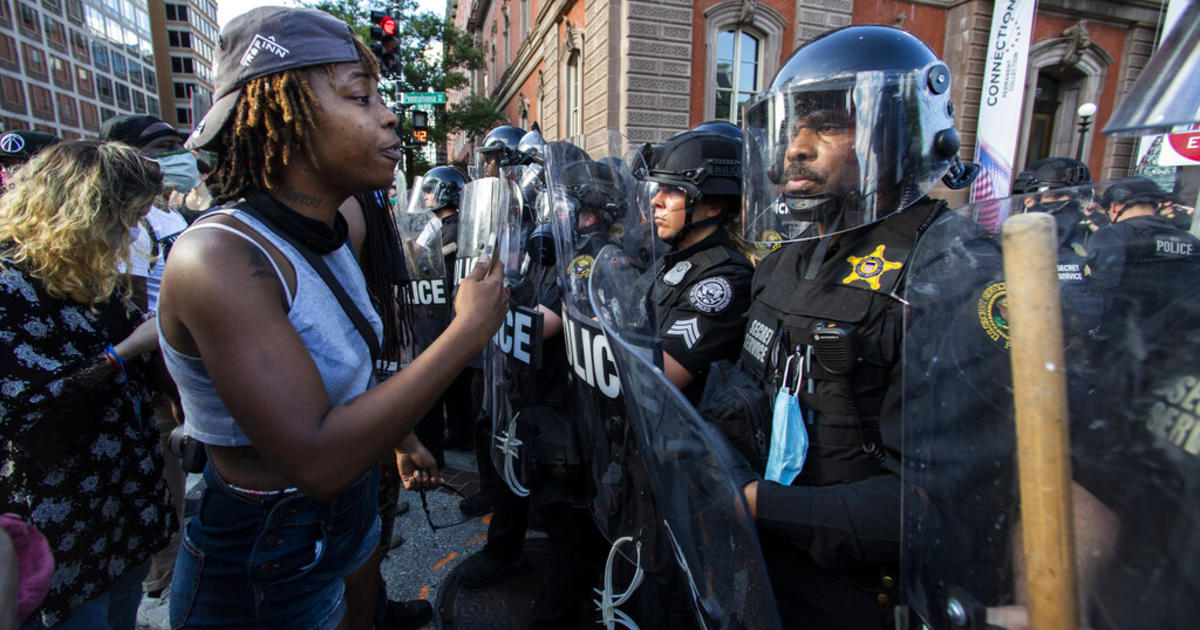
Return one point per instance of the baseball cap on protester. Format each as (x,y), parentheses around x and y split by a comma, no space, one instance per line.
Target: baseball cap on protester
(265,41)
(22,144)
(1134,190)
(136,131)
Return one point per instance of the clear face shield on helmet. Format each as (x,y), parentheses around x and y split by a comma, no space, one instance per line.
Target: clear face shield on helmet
(487,161)
(829,155)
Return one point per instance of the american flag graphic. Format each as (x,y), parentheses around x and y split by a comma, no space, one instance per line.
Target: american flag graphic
(994,181)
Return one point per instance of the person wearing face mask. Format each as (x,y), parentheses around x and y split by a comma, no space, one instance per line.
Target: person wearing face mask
(702,285)
(153,238)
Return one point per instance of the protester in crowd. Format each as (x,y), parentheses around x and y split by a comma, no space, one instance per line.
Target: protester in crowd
(268,330)
(18,147)
(81,456)
(155,234)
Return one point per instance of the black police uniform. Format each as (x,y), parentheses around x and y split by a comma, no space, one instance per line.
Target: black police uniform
(831,539)
(700,296)
(1137,263)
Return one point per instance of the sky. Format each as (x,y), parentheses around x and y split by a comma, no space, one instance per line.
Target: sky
(229,9)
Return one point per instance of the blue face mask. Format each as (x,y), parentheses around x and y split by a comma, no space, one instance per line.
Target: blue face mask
(789,436)
(180,170)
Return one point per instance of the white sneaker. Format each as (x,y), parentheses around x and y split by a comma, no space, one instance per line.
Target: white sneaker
(154,613)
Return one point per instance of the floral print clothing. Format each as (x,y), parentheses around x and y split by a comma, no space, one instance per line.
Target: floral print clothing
(79,457)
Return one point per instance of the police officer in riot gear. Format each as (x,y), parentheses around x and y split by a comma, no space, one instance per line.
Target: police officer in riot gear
(701,287)
(442,188)
(854,130)
(498,149)
(1142,258)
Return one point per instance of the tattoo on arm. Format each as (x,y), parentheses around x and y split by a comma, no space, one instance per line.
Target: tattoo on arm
(260,265)
(292,195)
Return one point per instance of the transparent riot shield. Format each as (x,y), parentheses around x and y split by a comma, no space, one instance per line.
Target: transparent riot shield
(705,521)
(514,355)
(1131,328)
(428,292)
(479,216)
(591,198)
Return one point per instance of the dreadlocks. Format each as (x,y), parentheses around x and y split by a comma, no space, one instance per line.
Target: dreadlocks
(273,125)
(382,263)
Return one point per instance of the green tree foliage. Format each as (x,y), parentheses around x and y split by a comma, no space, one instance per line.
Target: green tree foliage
(418,37)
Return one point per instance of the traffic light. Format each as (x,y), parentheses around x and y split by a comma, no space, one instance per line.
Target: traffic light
(382,25)
(420,126)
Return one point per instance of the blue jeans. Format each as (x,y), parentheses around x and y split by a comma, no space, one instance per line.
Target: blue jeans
(272,561)
(115,609)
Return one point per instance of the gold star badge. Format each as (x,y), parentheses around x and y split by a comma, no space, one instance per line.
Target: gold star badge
(868,268)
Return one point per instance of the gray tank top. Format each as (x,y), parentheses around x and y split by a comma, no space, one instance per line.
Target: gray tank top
(336,346)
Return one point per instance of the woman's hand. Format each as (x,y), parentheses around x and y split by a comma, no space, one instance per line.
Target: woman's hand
(143,339)
(481,302)
(417,466)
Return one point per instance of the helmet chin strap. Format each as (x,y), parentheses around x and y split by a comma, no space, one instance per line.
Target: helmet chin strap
(688,225)
(825,209)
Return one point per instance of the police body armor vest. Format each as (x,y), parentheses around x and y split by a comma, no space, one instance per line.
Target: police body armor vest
(858,286)
(1161,262)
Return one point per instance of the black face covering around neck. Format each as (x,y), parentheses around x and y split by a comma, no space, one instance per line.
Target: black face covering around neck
(313,233)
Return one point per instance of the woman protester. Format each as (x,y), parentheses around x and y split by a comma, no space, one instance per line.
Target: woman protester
(267,328)
(79,456)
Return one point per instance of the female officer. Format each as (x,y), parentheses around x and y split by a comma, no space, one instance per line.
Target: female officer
(267,329)
(702,285)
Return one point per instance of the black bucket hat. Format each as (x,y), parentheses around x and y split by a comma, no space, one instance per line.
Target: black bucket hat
(264,41)
(22,144)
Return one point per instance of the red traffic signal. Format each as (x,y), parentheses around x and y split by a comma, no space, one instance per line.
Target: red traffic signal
(388,25)
(382,24)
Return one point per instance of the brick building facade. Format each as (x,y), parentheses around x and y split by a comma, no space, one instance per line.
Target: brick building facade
(652,68)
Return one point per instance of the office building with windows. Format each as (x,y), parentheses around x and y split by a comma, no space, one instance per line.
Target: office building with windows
(68,65)
(186,33)
(650,68)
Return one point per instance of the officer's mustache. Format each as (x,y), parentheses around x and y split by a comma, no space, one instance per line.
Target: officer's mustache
(798,171)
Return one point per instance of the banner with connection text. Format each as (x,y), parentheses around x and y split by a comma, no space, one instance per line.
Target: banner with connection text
(1001,97)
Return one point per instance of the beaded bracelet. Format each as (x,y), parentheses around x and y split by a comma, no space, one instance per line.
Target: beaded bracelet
(115,360)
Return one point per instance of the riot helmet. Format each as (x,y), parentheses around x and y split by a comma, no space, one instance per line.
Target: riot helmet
(695,165)
(540,244)
(595,192)
(723,127)
(1054,184)
(442,188)
(1129,192)
(856,125)
(532,147)
(498,149)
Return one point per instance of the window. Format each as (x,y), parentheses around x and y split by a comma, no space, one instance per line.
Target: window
(83,82)
(118,66)
(123,96)
(183,90)
(79,47)
(29,22)
(152,106)
(12,94)
(41,104)
(75,11)
(104,89)
(507,43)
(139,102)
(35,62)
(135,73)
(740,54)
(106,113)
(56,33)
(183,115)
(8,53)
(737,73)
(6,14)
(53,5)
(524,19)
(90,116)
(574,94)
(177,12)
(151,81)
(182,65)
(100,55)
(68,113)
(179,39)
(60,69)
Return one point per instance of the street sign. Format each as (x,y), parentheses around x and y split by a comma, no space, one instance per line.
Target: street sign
(422,98)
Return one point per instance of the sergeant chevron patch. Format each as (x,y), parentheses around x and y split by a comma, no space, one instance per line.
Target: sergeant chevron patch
(686,329)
